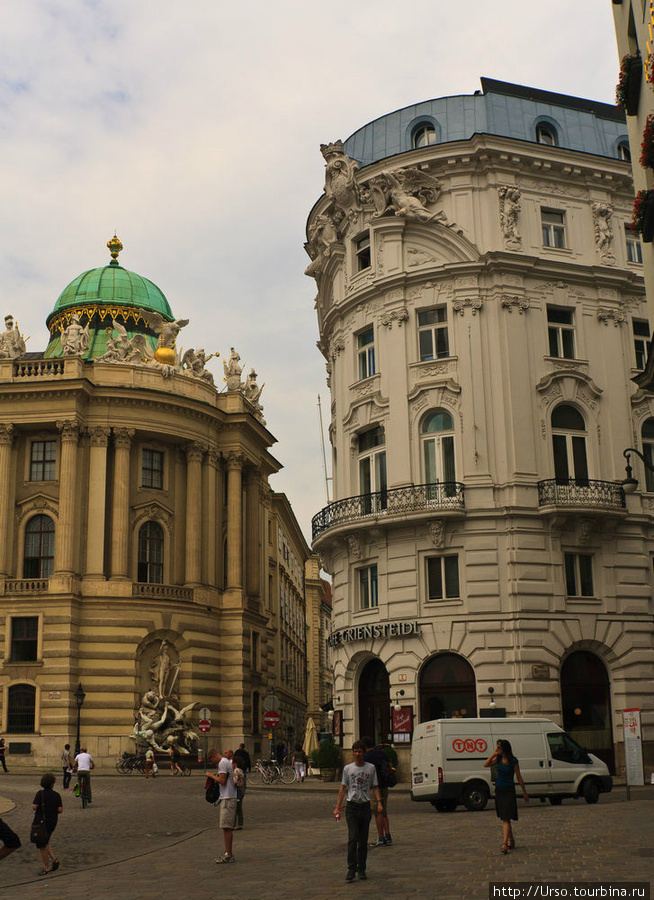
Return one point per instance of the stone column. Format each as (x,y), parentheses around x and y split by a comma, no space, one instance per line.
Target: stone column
(253,533)
(95,523)
(234,521)
(120,503)
(65,534)
(6,440)
(194,455)
(209,560)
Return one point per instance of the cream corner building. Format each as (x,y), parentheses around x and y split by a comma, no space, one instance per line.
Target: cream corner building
(481,311)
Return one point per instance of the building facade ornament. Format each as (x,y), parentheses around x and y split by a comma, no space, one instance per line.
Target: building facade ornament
(509,200)
(437,532)
(341,187)
(194,363)
(99,435)
(353,546)
(611,315)
(70,430)
(406,192)
(473,304)
(6,435)
(195,451)
(396,315)
(603,225)
(12,342)
(323,236)
(519,303)
(123,437)
(75,340)
(123,349)
(252,392)
(232,368)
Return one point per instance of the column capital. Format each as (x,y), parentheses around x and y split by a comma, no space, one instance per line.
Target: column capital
(213,457)
(235,459)
(195,451)
(70,430)
(253,474)
(123,437)
(99,435)
(6,435)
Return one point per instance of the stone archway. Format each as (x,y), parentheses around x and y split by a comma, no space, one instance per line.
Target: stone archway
(447,688)
(586,704)
(374,701)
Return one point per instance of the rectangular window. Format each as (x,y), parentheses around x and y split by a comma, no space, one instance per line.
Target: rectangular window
(368,597)
(579,575)
(634,250)
(432,333)
(443,577)
(42,460)
(24,639)
(561,332)
(152,462)
(553,227)
(641,341)
(362,252)
(366,353)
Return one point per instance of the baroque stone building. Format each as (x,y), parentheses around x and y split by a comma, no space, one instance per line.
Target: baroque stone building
(481,313)
(134,512)
(320,689)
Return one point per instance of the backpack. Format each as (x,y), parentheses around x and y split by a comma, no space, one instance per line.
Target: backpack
(212,793)
(386,774)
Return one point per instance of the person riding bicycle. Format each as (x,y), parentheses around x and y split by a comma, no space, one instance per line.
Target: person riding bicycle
(83,764)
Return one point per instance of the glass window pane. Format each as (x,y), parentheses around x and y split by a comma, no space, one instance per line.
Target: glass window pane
(586,575)
(451,576)
(434,579)
(442,343)
(553,336)
(570,575)
(579,457)
(561,472)
(568,343)
(425,339)
(447,444)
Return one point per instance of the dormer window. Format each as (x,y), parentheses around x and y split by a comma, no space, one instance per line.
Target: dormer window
(546,134)
(423,136)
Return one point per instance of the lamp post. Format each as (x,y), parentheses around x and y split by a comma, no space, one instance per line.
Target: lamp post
(398,703)
(79,699)
(491,691)
(630,483)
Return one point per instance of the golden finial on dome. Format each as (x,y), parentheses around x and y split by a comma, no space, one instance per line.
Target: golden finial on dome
(115,247)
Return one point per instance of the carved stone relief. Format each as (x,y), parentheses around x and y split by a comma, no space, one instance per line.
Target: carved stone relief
(509,200)
(519,303)
(611,315)
(353,546)
(417,257)
(603,225)
(474,305)
(397,315)
(437,532)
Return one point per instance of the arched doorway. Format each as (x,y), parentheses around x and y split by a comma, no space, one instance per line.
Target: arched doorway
(447,688)
(375,702)
(586,704)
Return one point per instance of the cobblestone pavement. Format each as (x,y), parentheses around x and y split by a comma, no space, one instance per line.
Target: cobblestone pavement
(157,840)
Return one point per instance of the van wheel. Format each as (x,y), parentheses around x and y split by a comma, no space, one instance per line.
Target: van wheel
(475,796)
(590,790)
(556,801)
(444,805)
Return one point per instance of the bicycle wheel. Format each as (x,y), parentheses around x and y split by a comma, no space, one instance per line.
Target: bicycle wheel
(256,776)
(139,764)
(287,775)
(186,771)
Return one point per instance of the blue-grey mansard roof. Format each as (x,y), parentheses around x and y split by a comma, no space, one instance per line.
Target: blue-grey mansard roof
(510,110)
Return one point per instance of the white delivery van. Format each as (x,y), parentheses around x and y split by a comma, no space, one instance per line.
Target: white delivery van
(448,756)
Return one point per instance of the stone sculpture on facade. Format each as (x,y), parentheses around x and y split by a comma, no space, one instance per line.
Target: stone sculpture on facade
(123,349)
(340,185)
(509,198)
(602,220)
(159,722)
(405,192)
(322,237)
(12,343)
(75,340)
(233,369)
(194,362)
(252,392)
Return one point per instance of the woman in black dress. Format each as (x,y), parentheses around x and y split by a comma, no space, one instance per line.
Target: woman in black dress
(505,801)
(47,808)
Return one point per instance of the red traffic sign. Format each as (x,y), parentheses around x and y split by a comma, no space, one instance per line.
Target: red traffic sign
(271,718)
(204,725)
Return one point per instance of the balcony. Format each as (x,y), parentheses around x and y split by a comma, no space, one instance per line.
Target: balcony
(26,586)
(442,497)
(161,591)
(581,493)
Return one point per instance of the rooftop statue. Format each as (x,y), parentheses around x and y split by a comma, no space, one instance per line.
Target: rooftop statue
(167,331)
(75,340)
(252,392)
(123,349)
(12,343)
(195,362)
(340,184)
(233,369)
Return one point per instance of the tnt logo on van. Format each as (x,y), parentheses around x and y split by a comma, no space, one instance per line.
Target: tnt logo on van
(468,745)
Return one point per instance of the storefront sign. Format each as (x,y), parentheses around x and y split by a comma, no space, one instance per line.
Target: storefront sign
(633,747)
(367,632)
(402,725)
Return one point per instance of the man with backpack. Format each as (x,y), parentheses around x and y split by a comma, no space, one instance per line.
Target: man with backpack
(386,778)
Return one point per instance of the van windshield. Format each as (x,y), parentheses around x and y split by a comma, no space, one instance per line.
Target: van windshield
(563,748)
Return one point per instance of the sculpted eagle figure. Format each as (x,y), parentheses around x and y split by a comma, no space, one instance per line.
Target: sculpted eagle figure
(167,331)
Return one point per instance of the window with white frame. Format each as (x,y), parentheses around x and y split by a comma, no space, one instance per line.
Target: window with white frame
(561,332)
(152,466)
(553,228)
(579,575)
(640,329)
(547,134)
(362,252)
(366,353)
(43,456)
(624,151)
(372,469)
(368,595)
(433,338)
(647,434)
(437,438)
(150,553)
(424,135)
(632,241)
(443,577)
(38,555)
(569,446)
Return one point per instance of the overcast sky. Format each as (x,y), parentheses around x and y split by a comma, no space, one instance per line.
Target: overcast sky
(193,129)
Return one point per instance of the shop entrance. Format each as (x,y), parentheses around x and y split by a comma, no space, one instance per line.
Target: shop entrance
(375,702)
(447,688)
(586,704)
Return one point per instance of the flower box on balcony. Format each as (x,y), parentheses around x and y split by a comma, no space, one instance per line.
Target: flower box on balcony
(627,92)
(647,147)
(643,215)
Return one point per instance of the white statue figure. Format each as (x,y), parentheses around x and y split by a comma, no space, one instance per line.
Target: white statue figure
(233,369)
(252,392)
(75,340)
(167,331)
(124,349)
(404,193)
(322,236)
(602,216)
(509,208)
(340,184)
(12,343)
(195,362)
(164,673)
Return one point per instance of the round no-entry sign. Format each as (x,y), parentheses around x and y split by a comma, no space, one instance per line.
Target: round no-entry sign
(204,725)
(271,718)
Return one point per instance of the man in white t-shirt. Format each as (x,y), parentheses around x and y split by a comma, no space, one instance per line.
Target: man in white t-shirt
(227,801)
(83,765)
(359,781)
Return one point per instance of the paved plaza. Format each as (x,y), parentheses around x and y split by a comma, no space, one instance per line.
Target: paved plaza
(157,840)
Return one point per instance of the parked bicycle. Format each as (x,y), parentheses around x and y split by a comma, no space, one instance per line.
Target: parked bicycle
(181,769)
(268,771)
(129,763)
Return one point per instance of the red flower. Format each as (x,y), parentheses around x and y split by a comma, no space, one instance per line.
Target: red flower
(647,147)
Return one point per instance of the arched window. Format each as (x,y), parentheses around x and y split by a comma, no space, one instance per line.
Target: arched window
(437,437)
(569,445)
(423,135)
(372,469)
(648,452)
(624,151)
(151,548)
(21,706)
(447,688)
(38,557)
(547,134)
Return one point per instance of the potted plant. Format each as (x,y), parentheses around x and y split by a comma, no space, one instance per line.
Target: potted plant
(627,92)
(647,147)
(327,758)
(643,215)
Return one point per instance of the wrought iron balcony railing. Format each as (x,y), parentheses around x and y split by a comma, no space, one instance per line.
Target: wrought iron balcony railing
(571,492)
(447,495)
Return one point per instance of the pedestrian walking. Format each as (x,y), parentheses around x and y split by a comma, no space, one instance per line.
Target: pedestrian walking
(47,808)
(175,768)
(358,782)
(239,783)
(227,801)
(243,759)
(9,838)
(380,761)
(150,765)
(84,763)
(300,763)
(505,799)
(2,754)
(67,766)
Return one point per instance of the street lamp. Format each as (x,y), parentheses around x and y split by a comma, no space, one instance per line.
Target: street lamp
(398,705)
(79,699)
(491,691)
(630,483)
